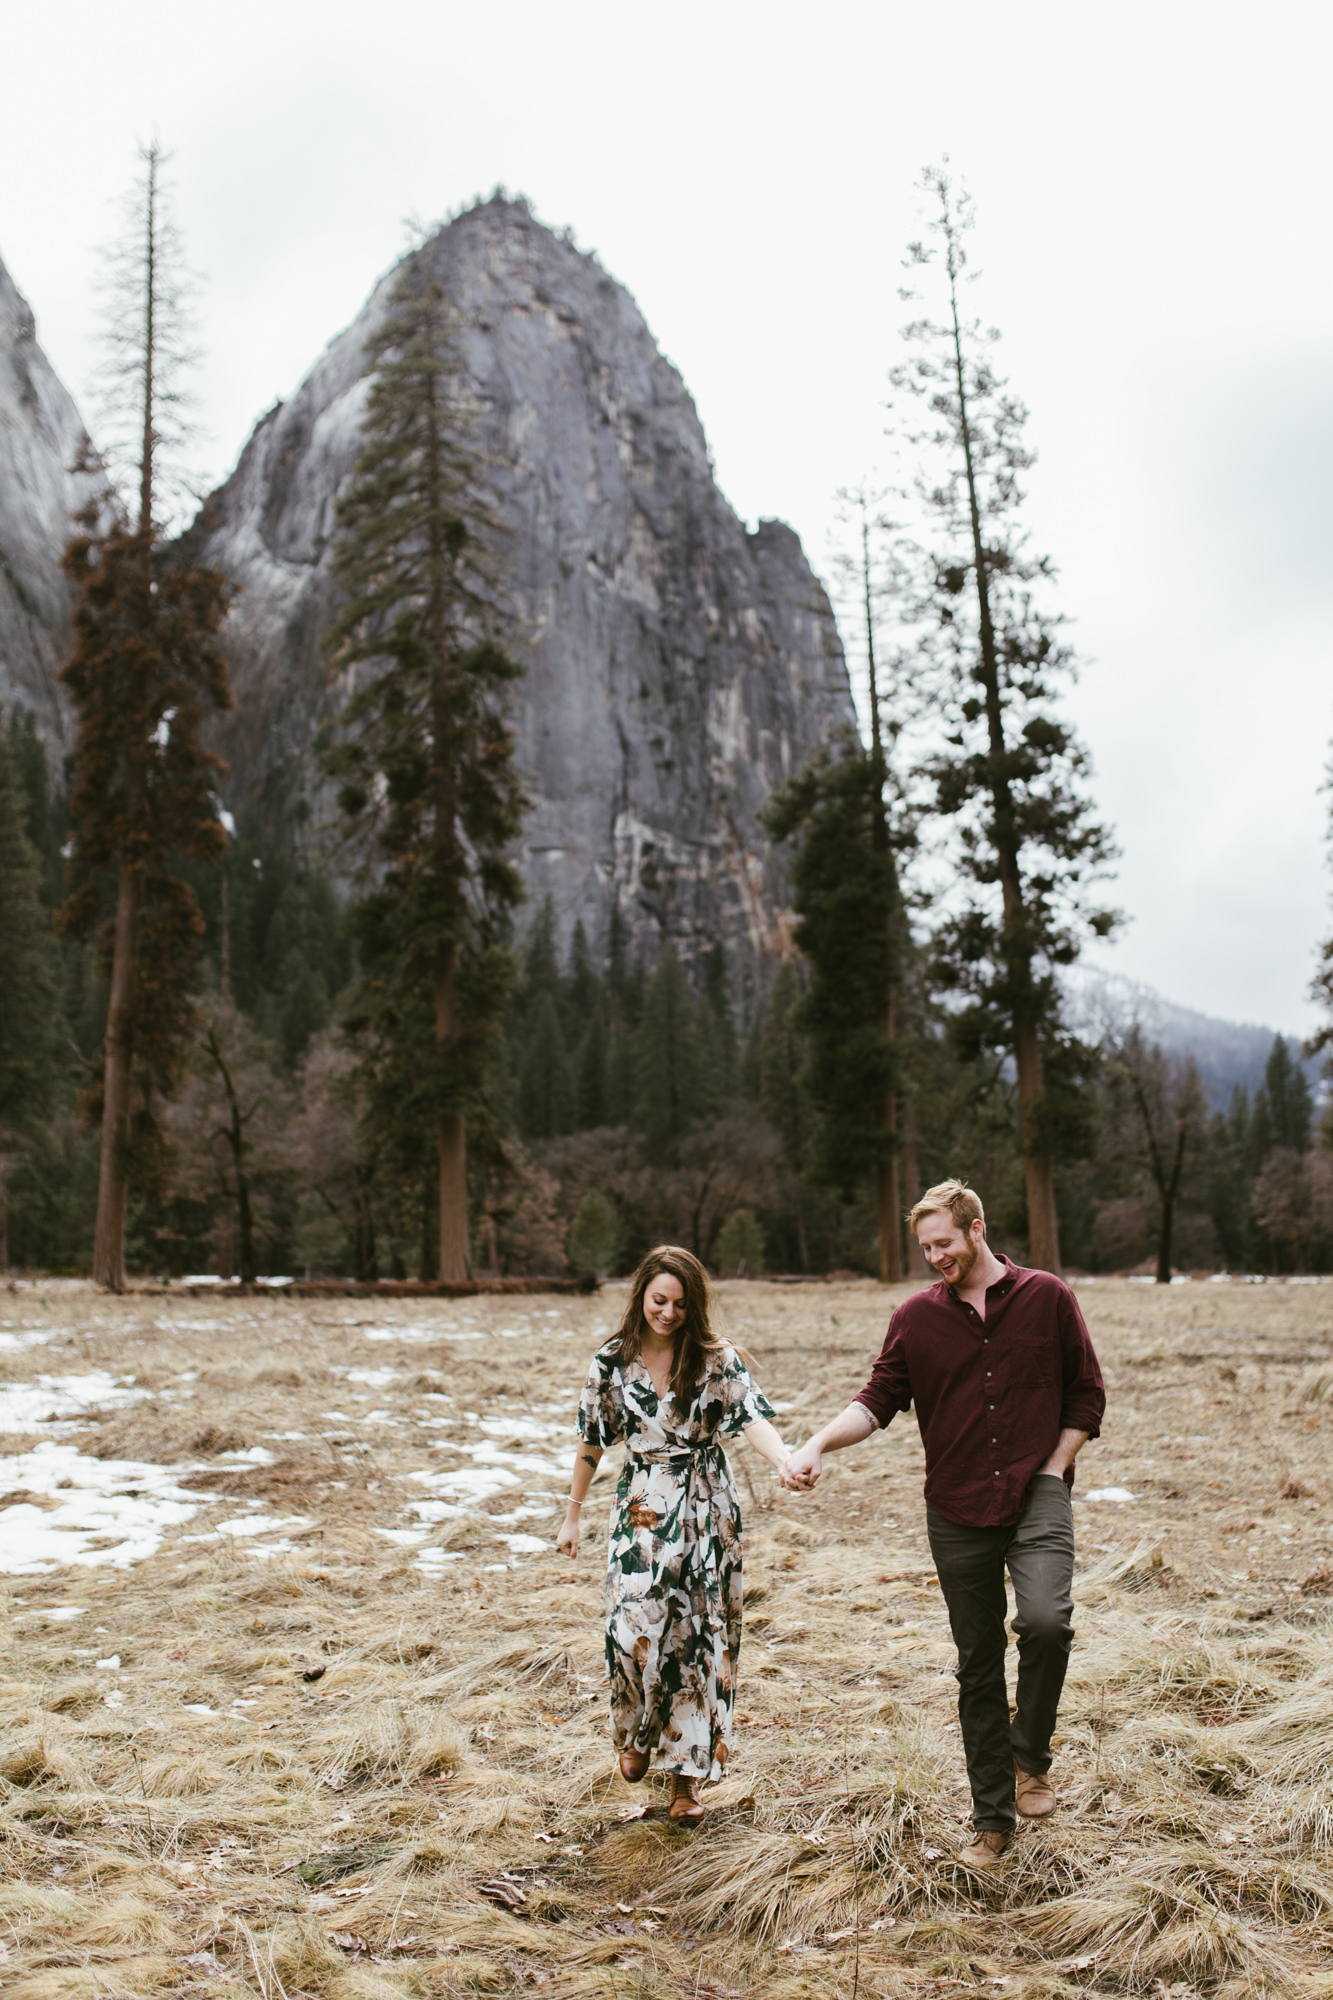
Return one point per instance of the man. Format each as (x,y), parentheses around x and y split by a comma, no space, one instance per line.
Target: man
(1007,1391)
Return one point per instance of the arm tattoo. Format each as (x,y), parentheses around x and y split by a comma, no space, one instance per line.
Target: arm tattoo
(588,1459)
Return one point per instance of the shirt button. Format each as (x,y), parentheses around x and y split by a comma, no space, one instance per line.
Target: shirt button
(996,1475)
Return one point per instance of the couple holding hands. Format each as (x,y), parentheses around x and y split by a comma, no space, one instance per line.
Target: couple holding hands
(1007,1390)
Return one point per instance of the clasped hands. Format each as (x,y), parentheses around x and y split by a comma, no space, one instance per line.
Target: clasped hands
(801,1470)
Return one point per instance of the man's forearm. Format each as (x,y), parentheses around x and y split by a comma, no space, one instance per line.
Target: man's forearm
(853,1426)
(1068,1446)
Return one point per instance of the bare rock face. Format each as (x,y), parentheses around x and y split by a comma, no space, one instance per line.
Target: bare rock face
(41,435)
(678,666)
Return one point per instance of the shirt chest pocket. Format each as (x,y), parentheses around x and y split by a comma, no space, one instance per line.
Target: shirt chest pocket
(1018,1368)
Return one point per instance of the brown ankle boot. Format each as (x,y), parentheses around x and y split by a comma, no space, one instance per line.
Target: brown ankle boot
(687,1809)
(1034,1795)
(633,1765)
(985,1848)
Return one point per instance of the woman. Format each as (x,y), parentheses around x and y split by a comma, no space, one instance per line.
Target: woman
(668,1387)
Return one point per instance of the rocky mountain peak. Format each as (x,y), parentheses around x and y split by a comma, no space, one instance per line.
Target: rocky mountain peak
(678,666)
(41,436)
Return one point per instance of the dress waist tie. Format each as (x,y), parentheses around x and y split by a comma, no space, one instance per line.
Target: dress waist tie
(690,1459)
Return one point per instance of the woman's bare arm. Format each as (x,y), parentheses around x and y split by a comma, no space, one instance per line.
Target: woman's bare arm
(766,1442)
(585,1465)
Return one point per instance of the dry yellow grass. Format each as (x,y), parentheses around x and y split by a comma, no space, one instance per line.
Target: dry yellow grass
(335,1763)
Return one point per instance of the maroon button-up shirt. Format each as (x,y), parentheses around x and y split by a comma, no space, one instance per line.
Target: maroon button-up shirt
(992,1395)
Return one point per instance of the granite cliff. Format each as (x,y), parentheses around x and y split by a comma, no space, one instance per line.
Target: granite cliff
(678,666)
(41,435)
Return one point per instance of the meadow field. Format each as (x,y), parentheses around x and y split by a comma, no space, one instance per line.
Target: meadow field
(299,1699)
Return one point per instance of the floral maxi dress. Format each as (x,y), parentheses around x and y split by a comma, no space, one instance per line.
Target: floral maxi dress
(673,1579)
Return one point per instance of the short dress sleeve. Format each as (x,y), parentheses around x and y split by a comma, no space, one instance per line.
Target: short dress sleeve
(745,1401)
(602,1406)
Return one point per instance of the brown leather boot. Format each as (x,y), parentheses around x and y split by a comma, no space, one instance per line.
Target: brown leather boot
(687,1809)
(985,1848)
(633,1765)
(1034,1796)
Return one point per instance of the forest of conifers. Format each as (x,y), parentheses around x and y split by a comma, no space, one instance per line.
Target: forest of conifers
(631,1097)
(249,1050)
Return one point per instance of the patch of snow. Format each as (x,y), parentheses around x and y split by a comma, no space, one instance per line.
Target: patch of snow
(257,1454)
(464,1484)
(198,1708)
(242,1525)
(112,1661)
(59,1614)
(518,1427)
(24,1404)
(406,1537)
(1117,1494)
(122,1503)
(28,1336)
(414,1331)
(377,1378)
(526,1545)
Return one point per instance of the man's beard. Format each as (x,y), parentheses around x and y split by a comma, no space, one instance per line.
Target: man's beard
(966,1261)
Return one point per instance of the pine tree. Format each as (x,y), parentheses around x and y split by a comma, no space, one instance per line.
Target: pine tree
(1010,776)
(845,892)
(30,1023)
(145,671)
(425,754)
(1289,1103)
(546,1094)
(724,1053)
(583,989)
(781,1058)
(593,1072)
(669,1084)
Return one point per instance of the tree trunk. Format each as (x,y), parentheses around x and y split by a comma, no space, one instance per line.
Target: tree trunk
(888,1195)
(117,1080)
(452,1140)
(426,1263)
(915,1265)
(454,1266)
(1164,1242)
(1043,1225)
(802,1248)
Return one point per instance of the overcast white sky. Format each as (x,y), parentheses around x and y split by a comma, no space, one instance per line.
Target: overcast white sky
(1154,191)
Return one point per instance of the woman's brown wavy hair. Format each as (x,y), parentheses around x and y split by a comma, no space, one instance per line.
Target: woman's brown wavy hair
(695,1341)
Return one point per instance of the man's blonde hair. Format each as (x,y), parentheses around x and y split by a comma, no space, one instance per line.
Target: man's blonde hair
(955,1196)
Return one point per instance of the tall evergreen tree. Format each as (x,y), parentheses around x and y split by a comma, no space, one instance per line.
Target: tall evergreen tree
(670,1089)
(30,1023)
(1010,776)
(593,1071)
(782,1094)
(845,891)
(546,1093)
(145,671)
(425,753)
(724,1053)
(1289,1103)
